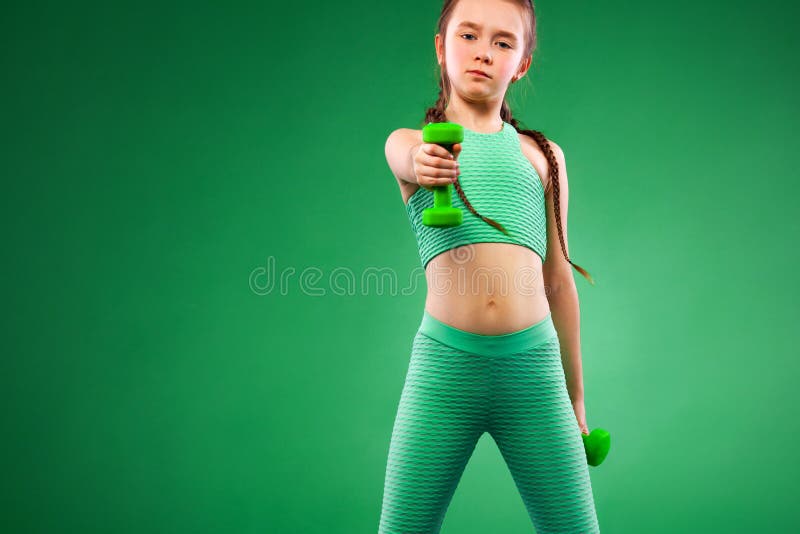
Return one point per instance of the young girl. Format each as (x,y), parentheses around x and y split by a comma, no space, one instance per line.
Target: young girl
(503,356)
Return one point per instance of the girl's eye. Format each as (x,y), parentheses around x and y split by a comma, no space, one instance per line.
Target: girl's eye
(501,42)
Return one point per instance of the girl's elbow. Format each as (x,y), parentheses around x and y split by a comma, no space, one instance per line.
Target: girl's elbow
(560,286)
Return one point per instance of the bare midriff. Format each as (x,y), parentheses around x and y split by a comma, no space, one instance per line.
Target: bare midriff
(487,288)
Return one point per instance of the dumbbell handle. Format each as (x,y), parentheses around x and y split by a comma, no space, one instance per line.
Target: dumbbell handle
(442,197)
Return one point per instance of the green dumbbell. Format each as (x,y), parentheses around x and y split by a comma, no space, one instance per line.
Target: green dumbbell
(596,443)
(442,214)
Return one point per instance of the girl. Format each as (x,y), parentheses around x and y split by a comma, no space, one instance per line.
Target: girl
(501,357)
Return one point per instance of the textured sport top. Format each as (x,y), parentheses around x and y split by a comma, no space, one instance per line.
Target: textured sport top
(500,183)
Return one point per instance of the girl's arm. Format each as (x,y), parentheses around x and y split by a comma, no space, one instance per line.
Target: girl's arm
(559,283)
(398,153)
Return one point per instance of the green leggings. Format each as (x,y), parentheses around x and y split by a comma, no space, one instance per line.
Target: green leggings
(460,385)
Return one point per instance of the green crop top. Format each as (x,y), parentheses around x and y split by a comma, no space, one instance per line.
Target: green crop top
(500,183)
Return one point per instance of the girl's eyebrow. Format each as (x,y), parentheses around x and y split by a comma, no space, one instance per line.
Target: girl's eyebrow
(478,27)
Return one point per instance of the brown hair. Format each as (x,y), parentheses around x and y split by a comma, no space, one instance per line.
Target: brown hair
(436,114)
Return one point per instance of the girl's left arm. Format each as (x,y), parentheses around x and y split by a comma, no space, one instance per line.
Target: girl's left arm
(559,283)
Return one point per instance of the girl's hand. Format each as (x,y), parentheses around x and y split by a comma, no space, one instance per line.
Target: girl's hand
(580,415)
(434,165)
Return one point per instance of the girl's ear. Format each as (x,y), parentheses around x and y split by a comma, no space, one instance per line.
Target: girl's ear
(437,44)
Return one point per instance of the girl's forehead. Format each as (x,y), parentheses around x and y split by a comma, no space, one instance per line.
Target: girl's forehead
(488,15)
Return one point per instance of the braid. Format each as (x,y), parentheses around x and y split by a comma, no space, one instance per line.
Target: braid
(486,219)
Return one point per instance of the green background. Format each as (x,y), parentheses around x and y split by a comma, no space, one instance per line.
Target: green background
(156,156)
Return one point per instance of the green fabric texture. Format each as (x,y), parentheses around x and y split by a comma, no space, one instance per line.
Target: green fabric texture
(500,183)
(514,388)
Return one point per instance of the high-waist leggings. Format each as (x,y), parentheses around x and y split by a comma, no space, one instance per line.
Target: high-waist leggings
(459,385)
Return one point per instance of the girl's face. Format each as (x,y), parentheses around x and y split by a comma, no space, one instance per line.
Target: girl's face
(486,35)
